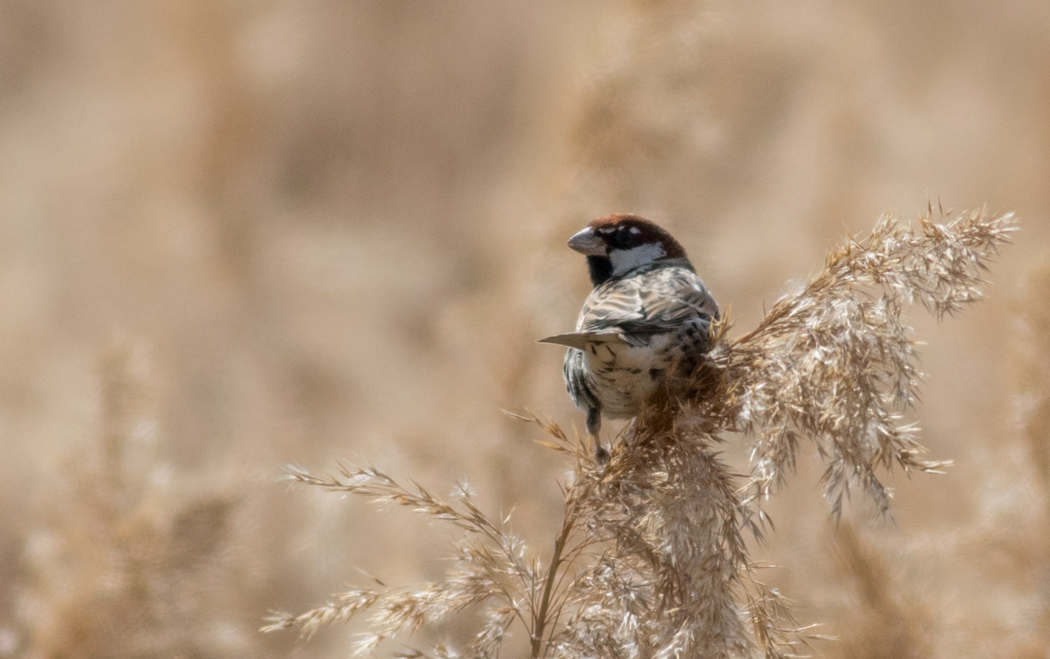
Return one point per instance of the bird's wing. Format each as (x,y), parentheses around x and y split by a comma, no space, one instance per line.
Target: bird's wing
(654,302)
(580,340)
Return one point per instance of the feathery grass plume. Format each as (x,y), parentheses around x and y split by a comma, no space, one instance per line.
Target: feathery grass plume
(673,576)
(124,565)
(635,135)
(491,565)
(883,622)
(1035,374)
(1034,404)
(649,562)
(651,558)
(833,361)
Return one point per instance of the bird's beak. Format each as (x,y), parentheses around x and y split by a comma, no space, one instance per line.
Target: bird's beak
(585,242)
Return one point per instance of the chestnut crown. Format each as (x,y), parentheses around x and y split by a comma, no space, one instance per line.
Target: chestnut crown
(617,244)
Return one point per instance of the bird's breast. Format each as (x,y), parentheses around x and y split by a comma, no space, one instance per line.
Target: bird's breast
(625,376)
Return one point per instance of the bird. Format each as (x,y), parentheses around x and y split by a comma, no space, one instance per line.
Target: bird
(645,327)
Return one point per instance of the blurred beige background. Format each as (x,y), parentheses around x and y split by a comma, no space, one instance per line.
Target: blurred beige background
(331,230)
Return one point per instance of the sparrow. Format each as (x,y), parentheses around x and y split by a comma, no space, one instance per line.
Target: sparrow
(645,327)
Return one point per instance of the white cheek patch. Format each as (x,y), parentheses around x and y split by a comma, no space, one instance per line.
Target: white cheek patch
(625,260)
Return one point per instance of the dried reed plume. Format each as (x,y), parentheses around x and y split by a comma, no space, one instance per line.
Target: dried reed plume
(651,560)
(1035,374)
(123,566)
(1034,404)
(833,362)
(884,621)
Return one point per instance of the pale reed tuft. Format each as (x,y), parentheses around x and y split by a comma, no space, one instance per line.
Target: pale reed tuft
(833,362)
(130,559)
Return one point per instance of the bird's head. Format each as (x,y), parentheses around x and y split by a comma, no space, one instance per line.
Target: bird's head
(617,244)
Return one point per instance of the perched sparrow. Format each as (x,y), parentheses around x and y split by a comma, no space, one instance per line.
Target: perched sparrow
(645,325)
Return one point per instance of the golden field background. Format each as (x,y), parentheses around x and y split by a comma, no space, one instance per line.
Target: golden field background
(239,235)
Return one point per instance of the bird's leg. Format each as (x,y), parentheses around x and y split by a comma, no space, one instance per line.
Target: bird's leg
(594,425)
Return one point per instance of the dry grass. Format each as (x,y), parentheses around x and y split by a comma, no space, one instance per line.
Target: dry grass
(1029,551)
(886,622)
(651,559)
(1033,373)
(129,561)
(340,227)
(833,362)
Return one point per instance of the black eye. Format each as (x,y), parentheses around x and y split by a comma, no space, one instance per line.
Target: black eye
(624,238)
